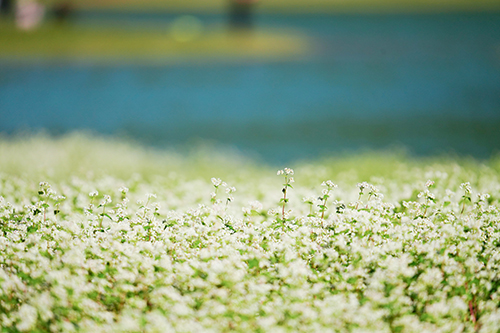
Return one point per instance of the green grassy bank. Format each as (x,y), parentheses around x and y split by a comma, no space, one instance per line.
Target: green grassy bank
(52,42)
(298,6)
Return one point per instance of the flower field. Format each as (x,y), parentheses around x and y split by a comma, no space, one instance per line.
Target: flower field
(97,235)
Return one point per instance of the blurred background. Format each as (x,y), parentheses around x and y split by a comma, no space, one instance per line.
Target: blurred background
(282,80)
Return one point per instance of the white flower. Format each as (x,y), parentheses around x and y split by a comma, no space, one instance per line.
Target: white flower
(329,184)
(216,182)
(28,316)
(255,205)
(230,190)
(285,171)
(273,211)
(466,187)
(106,200)
(309,200)
(362,186)
(483,197)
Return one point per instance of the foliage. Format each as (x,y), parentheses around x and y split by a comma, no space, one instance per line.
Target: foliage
(162,44)
(95,246)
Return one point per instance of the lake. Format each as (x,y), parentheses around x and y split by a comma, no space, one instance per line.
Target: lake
(426,82)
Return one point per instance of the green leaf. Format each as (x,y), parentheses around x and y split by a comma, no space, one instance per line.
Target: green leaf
(254,262)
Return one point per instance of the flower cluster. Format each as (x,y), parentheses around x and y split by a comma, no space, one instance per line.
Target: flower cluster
(105,254)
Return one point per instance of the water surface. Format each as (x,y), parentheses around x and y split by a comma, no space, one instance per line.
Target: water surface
(428,82)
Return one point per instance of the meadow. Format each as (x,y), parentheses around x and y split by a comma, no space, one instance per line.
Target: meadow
(294,6)
(104,235)
(177,42)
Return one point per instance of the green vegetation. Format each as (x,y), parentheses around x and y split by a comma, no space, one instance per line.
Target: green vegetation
(114,44)
(100,235)
(299,6)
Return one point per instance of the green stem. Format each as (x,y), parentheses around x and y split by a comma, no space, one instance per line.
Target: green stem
(284,197)
(323,209)
(359,198)
(102,216)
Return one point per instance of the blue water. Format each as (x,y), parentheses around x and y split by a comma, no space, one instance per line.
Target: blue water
(430,83)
